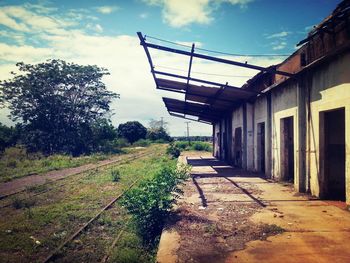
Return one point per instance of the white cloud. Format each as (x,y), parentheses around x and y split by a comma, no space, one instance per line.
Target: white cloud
(130,73)
(279,45)
(107,9)
(144,15)
(180,13)
(23,53)
(95,27)
(279,35)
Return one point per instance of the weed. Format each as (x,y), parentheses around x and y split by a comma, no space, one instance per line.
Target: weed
(211,229)
(22,203)
(38,188)
(272,229)
(115,175)
(150,203)
(142,143)
(173,150)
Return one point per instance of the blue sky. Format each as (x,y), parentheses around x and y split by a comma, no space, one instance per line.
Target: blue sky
(104,33)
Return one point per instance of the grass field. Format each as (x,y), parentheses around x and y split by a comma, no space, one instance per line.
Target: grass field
(16,163)
(36,224)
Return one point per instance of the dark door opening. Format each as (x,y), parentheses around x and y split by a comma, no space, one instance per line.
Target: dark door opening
(237,149)
(287,149)
(261,146)
(334,147)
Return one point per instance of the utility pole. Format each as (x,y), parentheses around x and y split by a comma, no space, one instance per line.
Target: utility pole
(188,131)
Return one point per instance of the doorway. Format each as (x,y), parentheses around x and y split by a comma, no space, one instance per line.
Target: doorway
(261,147)
(334,154)
(237,149)
(287,149)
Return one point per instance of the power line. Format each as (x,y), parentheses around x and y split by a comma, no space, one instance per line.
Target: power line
(218,52)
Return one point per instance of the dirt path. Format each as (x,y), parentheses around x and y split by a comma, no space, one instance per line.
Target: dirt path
(228,215)
(20,184)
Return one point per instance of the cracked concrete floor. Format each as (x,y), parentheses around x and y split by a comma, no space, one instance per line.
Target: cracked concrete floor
(228,215)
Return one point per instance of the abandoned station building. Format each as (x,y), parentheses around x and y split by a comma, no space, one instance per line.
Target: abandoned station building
(291,121)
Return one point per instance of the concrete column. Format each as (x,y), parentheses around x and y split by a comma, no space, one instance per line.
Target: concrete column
(300,182)
(268,131)
(244,146)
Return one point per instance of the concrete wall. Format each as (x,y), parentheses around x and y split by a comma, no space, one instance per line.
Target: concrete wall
(237,122)
(330,89)
(283,105)
(306,99)
(260,116)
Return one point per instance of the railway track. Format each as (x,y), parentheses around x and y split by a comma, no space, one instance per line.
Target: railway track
(64,245)
(70,251)
(118,161)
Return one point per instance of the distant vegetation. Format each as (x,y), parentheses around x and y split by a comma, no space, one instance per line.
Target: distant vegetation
(194,146)
(64,108)
(61,107)
(15,162)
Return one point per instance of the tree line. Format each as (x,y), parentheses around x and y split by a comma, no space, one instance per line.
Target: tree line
(61,107)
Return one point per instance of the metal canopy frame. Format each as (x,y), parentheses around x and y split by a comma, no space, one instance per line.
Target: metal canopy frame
(212,102)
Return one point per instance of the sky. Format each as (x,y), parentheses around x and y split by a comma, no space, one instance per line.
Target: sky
(103,33)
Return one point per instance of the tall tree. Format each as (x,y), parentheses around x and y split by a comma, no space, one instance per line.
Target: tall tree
(58,103)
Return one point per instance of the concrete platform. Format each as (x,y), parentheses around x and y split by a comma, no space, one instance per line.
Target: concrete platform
(227,215)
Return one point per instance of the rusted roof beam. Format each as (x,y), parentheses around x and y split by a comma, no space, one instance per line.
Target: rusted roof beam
(206,82)
(216,59)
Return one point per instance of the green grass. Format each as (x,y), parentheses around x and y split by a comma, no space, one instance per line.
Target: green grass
(194,146)
(15,162)
(54,215)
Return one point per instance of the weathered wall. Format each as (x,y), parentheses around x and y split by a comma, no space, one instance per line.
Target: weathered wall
(260,116)
(330,90)
(249,137)
(237,122)
(222,137)
(283,105)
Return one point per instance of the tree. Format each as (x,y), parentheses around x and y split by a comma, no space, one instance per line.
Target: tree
(157,130)
(132,131)
(57,103)
(8,136)
(158,134)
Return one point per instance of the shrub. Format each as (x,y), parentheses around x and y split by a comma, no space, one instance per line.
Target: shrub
(150,203)
(201,146)
(182,145)
(142,143)
(194,146)
(15,153)
(121,143)
(173,150)
(115,174)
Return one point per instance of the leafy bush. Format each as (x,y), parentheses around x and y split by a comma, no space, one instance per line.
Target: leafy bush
(142,143)
(150,203)
(121,143)
(201,146)
(194,146)
(173,150)
(115,174)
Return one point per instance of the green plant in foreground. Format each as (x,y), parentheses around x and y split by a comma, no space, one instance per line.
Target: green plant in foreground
(173,150)
(115,175)
(150,203)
